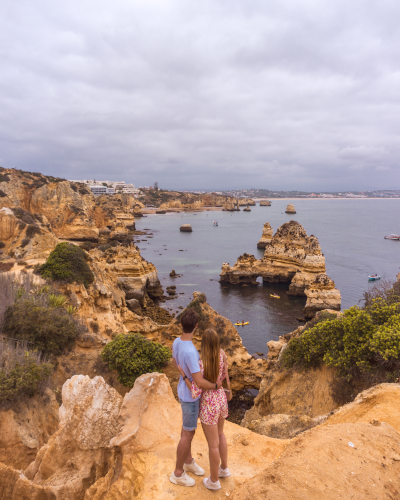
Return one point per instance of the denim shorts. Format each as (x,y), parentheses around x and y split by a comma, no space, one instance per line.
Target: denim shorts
(190,414)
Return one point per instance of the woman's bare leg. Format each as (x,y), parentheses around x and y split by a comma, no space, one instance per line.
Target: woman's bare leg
(211,433)
(223,446)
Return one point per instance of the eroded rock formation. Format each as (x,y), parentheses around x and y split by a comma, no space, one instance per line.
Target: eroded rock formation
(321,294)
(25,235)
(290,257)
(186,228)
(290,209)
(70,209)
(265,203)
(25,426)
(109,449)
(266,236)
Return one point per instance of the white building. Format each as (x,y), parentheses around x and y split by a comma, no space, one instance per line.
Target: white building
(109,187)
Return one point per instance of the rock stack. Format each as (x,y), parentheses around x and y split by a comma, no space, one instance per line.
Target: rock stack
(291,256)
(247,209)
(265,203)
(290,209)
(266,236)
(186,228)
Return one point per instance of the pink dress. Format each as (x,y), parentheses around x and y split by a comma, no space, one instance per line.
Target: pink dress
(213,404)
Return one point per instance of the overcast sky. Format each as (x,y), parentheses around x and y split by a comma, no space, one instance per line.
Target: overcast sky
(210,94)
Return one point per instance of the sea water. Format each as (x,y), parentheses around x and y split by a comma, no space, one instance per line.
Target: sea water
(351,234)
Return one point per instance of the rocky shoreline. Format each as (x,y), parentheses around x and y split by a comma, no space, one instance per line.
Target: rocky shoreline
(84,435)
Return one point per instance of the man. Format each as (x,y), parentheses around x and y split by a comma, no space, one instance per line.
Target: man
(185,354)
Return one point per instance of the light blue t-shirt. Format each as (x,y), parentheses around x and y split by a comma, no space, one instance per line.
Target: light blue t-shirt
(185,355)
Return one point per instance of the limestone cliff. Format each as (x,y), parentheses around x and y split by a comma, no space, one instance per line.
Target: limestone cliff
(290,257)
(266,236)
(107,448)
(71,210)
(25,426)
(25,235)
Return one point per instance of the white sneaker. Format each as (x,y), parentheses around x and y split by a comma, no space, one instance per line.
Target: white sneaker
(183,480)
(223,472)
(210,485)
(193,467)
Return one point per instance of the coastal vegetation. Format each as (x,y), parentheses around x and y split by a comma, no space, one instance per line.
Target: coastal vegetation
(36,324)
(68,263)
(363,342)
(132,355)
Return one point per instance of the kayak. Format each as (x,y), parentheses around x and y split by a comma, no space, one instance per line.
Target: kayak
(374,278)
(241,324)
(274,296)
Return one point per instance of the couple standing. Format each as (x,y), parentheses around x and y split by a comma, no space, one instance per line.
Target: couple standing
(201,395)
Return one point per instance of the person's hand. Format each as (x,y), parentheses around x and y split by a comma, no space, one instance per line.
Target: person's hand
(181,371)
(219,384)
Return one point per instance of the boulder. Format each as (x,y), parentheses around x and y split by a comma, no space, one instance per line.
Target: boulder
(133,305)
(186,228)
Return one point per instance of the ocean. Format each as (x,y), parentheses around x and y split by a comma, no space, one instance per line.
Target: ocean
(351,234)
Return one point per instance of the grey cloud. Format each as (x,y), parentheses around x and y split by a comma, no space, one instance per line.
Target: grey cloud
(213,94)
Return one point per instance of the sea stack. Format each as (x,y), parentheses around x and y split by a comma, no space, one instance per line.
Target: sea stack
(290,209)
(266,236)
(186,228)
(247,209)
(292,257)
(265,203)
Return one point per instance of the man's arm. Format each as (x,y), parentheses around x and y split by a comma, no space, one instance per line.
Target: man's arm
(205,384)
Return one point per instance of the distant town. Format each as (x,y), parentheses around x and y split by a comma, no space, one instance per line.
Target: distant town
(115,187)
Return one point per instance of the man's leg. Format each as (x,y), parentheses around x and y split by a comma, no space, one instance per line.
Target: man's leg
(184,452)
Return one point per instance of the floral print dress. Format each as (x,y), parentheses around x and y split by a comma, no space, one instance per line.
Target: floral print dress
(213,404)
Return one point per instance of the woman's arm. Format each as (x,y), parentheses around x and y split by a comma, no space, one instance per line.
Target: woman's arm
(226,370)
(187,381)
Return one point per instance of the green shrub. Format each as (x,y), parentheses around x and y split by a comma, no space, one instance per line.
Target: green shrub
(51,329)
(133,355)
(24,242)
(67,262)
(23,380)
(360,341)
(4,178)
(2,194)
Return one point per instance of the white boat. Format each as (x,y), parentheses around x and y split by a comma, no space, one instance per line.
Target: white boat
(374,277)
(393,237)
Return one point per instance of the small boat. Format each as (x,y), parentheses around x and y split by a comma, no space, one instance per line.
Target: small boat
(242,324)
(215,223)
(374,277)
(393,237)
(274,296)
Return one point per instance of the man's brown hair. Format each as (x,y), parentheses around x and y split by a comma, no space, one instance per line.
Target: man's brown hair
(189,320)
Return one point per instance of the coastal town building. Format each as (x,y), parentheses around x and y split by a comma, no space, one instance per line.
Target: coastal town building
(109,187)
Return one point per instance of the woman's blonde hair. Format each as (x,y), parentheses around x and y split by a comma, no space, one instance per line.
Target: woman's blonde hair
(210,355)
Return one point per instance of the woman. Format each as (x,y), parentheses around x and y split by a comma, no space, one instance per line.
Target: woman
(213,407)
